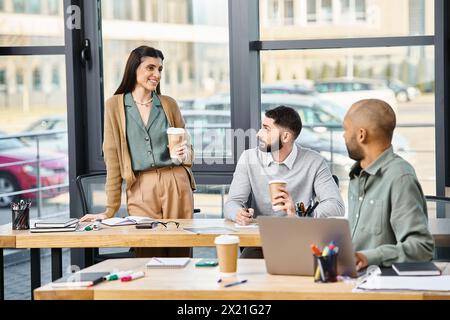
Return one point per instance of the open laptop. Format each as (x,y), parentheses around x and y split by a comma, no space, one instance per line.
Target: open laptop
(286,244)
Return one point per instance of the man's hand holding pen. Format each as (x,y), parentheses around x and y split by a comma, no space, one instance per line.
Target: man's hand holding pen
(245,216)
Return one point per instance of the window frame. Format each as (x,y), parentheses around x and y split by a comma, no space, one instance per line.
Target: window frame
(245,46)
(440,42)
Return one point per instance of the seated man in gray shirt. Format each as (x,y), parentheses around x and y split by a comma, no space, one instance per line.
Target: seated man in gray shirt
(387,208)
(278,156)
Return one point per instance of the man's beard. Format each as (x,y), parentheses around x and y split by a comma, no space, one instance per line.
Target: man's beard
(354,151)
(271,147)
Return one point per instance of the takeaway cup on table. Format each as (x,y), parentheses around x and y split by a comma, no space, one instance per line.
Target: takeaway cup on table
(227,252)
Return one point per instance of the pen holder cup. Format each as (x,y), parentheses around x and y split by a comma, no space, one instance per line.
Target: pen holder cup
(325,268)
(21,219)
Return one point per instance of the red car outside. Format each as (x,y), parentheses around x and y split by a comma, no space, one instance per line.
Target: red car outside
(20,177)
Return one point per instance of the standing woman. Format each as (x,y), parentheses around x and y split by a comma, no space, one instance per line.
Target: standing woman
(136,146)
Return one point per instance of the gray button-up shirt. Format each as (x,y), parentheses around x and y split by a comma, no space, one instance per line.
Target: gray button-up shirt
(305,171)
(388,212)
(147,144)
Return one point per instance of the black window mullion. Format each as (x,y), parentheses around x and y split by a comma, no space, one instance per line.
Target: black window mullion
(342,43)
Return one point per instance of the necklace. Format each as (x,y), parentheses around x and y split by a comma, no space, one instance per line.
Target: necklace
(143,103)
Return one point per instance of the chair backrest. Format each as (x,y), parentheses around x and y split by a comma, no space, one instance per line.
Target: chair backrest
(91,188)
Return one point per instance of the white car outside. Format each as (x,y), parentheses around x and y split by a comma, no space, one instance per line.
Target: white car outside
(346,92)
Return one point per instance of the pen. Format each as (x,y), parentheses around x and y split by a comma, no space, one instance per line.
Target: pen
(325,251)
(307,209)
(133,276)
(312,209)
(157,260)
(245,207)
(234,283)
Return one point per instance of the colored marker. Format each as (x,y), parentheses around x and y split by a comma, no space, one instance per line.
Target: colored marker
(117,275)
(302,208)
(133,276)
(315,250)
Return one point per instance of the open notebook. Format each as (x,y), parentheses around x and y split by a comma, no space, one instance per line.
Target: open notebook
(169,263)
(127,221)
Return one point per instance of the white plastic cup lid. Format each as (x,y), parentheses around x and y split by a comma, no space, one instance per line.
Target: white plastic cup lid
(172,130)
(277,181)
(226,239)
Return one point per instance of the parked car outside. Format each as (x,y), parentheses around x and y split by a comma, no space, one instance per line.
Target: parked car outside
(53,170)
(288,87)
(55,142)
(345,91)
(403,92)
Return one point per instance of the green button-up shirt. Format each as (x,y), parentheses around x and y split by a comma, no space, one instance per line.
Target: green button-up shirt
(388,212)
(147,144)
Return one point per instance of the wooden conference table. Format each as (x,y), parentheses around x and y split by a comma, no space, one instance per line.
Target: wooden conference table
(129,236)
(117,237)
(201,283)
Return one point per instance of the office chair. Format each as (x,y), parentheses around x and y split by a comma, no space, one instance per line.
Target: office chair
(440,208)
(91,188)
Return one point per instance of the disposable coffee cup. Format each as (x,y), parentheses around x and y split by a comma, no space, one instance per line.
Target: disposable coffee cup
(274,186)
(227,252)
(175,137)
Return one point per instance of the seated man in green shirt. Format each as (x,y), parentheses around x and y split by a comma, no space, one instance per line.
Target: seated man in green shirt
(387,208)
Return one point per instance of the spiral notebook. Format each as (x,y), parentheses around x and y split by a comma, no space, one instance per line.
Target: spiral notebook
(169,263)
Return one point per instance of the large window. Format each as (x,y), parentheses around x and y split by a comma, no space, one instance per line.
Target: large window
(33,147)
(29,104)
(42,26)
(323,83)
(328,19)
(193,36)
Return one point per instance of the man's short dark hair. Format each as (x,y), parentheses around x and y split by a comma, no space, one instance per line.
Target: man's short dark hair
(287,118)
